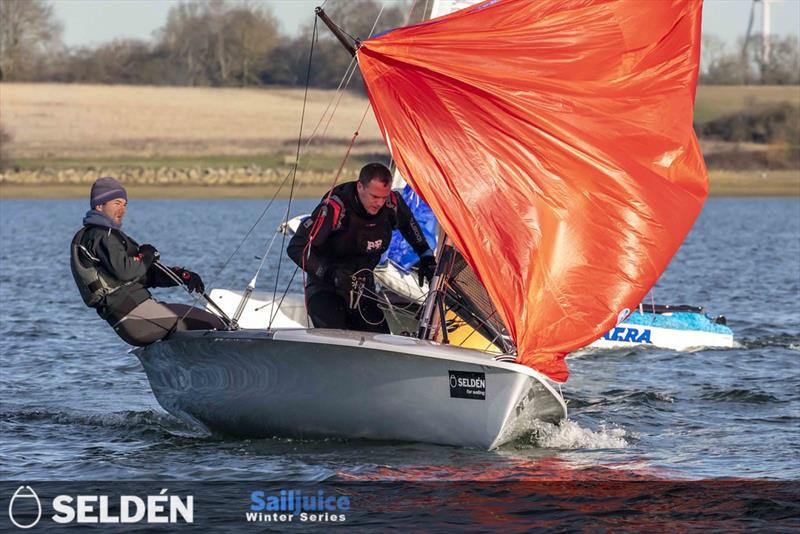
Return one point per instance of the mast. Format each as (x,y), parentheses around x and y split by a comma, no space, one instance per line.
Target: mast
(434,302)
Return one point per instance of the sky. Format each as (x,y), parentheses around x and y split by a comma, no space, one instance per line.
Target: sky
(92,22)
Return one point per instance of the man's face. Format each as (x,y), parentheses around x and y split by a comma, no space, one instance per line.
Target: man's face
(114,210)
(373,196)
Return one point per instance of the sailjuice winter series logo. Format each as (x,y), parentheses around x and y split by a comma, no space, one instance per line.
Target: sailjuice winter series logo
(289,506)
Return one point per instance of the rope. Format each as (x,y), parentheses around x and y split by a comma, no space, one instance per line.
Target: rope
(343,83)
(395,309)
(277,308)
(319,220)
(411,11)
(358,307)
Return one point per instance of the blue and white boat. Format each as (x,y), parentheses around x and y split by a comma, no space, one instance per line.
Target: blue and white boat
(683,328)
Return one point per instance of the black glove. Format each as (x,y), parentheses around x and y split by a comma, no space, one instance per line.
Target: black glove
(426,269)
(350,285)
(148,254)
(191,280)
(341,278)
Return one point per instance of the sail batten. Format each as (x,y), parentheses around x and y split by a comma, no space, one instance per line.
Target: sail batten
(554,143)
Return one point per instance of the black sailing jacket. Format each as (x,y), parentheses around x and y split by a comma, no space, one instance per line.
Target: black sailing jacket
(118,256)
(350,238)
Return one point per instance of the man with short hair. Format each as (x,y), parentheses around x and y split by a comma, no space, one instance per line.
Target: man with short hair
(343,241)
(113,273)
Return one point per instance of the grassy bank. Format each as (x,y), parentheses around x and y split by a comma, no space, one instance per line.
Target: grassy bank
(50,122)
(715,101)
(62,124)
(754,183)
(184,142)
(722,183)
(163,191)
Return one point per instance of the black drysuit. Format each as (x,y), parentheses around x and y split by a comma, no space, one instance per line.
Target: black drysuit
(347,239)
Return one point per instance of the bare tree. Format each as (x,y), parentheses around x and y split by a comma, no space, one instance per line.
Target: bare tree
(711,53)
(28,32)
(254,36)
(185,38)
(780,65)
(220,43)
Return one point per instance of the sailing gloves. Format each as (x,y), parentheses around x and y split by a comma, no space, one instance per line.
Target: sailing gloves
(351,284)
(190,279)
(148,254)
(426,269)
(340,278)
(344,279)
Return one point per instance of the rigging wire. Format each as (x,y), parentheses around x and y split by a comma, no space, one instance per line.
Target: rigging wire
(297,159)
(241,243)
(275,310)
(337,98)
(345,81)
(343,84)
(296,162)
(354,64)
(318,222)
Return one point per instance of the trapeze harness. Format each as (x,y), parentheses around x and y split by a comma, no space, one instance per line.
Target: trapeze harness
(93,282)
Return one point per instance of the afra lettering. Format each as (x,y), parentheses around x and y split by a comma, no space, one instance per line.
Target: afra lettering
(628,334)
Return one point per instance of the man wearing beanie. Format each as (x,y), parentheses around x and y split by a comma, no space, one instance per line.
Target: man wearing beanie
(113,273)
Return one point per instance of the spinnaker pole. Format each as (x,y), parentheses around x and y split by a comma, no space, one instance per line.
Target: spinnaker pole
(337,31)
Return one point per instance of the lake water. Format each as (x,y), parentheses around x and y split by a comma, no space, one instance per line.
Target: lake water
(76,406)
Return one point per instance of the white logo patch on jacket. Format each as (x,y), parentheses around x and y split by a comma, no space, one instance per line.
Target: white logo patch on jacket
(374,245)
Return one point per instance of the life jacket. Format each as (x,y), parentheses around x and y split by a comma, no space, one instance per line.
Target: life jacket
(93,282)
(336,204)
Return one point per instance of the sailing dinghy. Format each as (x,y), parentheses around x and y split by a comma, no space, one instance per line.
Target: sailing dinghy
(554,143)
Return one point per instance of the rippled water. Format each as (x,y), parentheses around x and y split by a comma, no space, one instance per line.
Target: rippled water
(77,406)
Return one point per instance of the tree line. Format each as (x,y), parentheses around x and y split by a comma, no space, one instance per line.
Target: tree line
(239,43)
(753,61)
(213,43)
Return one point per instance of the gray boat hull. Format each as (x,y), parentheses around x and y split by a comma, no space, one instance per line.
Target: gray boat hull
(328,383)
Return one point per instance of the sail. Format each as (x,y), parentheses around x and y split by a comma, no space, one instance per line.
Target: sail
(553,141)
(400,251)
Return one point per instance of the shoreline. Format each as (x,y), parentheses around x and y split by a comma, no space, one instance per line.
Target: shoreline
(233,192)
(721,184)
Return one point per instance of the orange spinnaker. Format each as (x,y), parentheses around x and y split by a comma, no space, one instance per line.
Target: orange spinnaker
(553,140)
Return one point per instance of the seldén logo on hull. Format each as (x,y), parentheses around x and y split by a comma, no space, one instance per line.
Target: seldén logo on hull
(93,509)
(467,385)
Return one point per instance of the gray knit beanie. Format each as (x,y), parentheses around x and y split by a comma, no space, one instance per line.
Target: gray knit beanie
(106,189)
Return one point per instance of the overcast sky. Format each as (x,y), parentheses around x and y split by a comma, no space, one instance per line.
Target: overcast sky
(90,22)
